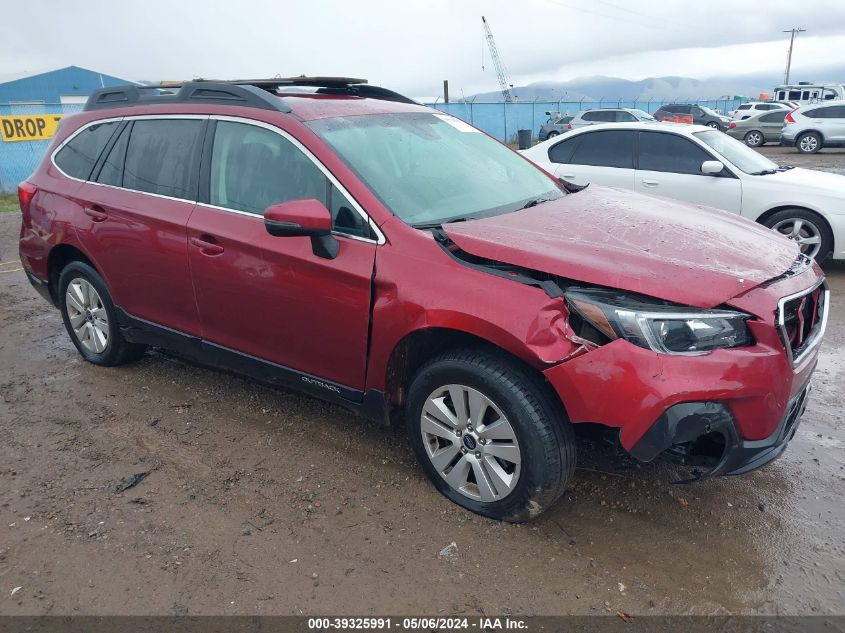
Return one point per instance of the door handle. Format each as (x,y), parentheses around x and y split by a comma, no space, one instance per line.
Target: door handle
(207,245)
(650,183)
(96,213)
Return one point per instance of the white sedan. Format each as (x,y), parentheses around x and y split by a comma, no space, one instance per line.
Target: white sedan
(704,166)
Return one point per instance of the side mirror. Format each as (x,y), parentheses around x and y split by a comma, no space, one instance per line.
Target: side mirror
(308,217)
(711,167)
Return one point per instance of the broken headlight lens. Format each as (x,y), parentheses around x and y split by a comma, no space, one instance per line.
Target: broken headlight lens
(660,326)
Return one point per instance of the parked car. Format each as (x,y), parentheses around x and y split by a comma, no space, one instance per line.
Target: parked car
(394,260)
(703,166)
(608,115)
(759,129)
(554,126)
(701,115)
(811,127)
(746,110)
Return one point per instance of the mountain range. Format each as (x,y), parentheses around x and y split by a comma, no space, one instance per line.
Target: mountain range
(662,88)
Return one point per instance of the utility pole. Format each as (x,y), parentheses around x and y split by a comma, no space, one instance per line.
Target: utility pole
(789,55)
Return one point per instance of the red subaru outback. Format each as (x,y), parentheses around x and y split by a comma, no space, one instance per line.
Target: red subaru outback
(397,261)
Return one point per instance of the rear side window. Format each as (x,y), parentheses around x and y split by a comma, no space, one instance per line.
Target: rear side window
(670,153)
(78,156)
(111,173)
(253,168)
(611,148)
(774,117)
(830,112)
(162,157)
(624,117)
(744,106)
(562,152)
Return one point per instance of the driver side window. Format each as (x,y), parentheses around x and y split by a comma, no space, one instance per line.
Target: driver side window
(253,167)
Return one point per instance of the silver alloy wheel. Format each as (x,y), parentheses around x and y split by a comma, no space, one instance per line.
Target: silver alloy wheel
(804,232)
(713,124)
(808,143)
(87,315)
(754,139)
(470,443)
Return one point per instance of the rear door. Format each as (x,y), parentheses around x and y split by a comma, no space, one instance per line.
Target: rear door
(834,123)
(272,298)
(604,157)
(771,124)
(137,206)
(669,165)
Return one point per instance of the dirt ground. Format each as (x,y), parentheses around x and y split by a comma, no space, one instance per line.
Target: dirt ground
(268,502)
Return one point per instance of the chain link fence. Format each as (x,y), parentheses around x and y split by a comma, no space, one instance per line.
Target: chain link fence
(18,159)
(502,120)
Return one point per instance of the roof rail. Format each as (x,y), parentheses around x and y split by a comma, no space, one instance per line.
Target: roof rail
(255,93)
(189,92)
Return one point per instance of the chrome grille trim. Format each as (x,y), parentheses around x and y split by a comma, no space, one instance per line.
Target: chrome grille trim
(816,333)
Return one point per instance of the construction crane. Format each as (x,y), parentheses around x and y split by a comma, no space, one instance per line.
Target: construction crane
(504,83)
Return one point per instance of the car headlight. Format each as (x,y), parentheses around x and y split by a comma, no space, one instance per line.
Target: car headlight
(659,326)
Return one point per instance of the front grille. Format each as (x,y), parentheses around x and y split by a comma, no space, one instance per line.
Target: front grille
(801,320)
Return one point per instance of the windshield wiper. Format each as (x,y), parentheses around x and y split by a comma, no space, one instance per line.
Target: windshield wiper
(535,201)
(765,172)
(439,223)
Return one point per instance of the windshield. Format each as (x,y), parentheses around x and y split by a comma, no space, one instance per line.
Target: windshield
(710,111)
(642,115)
(430,168)
(736,152)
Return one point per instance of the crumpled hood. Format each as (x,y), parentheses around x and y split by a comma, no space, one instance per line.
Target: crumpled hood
(658,247)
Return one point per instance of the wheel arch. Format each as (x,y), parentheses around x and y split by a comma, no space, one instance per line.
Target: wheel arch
(809,131)
(418,347)
(60,256)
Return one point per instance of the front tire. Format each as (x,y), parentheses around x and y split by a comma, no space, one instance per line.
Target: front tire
(805,227)
(489,435)
(808,143)
(714,125)
(91,319)
(552,135)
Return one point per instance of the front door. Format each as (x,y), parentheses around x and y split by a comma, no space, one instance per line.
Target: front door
(272,298)
(670,165)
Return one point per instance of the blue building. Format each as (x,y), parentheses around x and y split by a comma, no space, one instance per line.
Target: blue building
(25,99)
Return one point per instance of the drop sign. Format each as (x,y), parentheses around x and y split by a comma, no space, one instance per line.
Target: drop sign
(29,128)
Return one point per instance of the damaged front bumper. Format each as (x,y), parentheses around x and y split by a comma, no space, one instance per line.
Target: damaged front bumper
(703,436)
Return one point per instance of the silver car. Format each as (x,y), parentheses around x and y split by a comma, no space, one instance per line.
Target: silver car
(813,126)
(609,115)
(759,129)
(556,124)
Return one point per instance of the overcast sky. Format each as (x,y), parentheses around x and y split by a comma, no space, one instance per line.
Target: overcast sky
(412,45)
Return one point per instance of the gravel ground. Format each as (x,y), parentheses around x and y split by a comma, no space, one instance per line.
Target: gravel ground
(261,501)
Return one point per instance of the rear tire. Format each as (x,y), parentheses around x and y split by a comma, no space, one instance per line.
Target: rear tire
(506,450)
(90,317)
(754,138)
(808,143)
